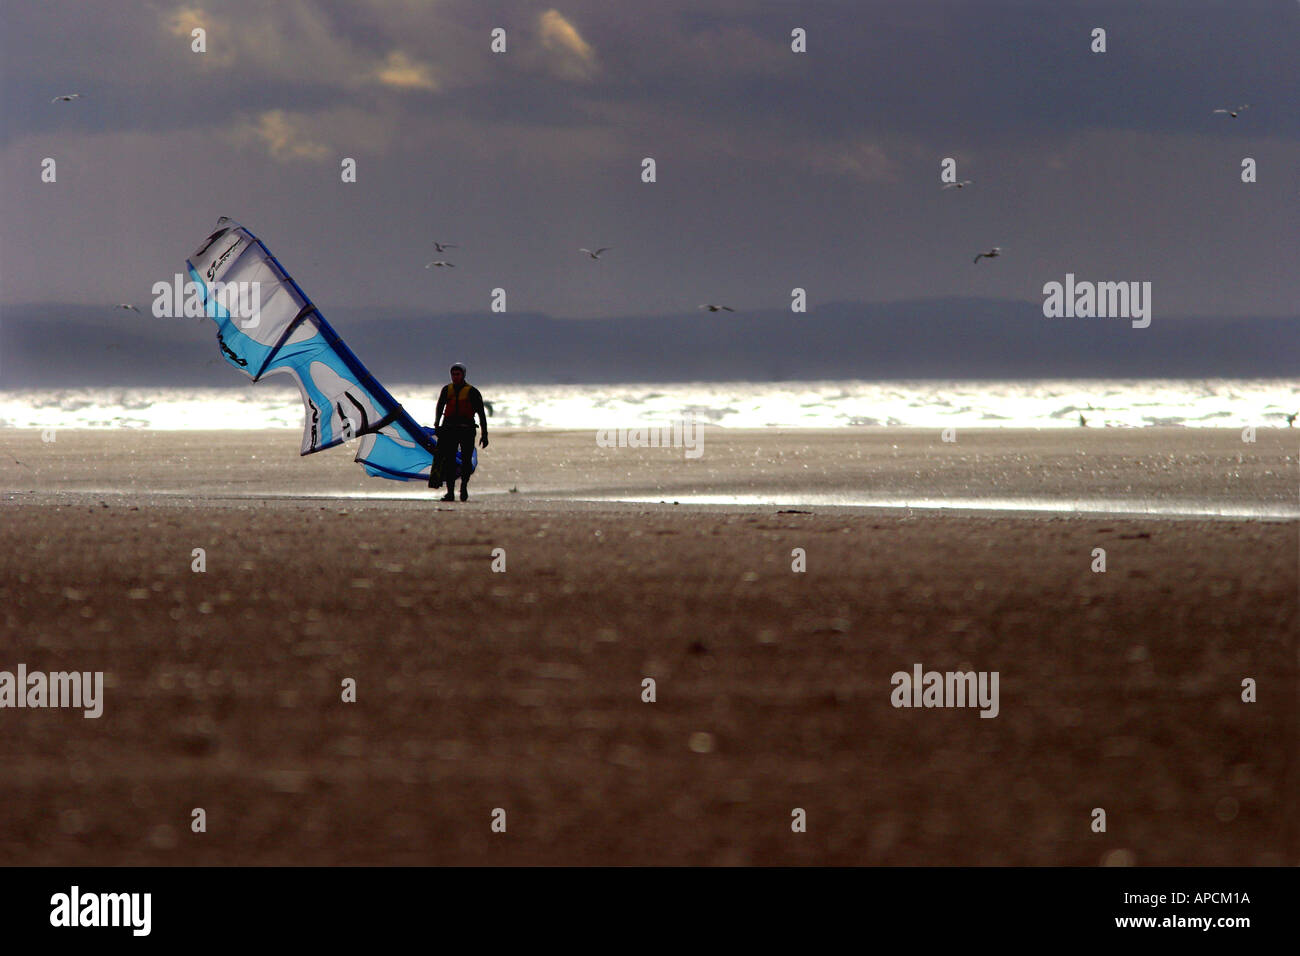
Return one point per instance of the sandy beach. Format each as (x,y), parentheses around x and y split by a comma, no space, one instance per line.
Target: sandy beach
(521,689)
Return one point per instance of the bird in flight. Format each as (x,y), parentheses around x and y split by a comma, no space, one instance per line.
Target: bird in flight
(596,254)
(1234,113)
(961,185)
(439,264)
(991,254)
(444,246)
(127,305)
(718,308)
(66,97)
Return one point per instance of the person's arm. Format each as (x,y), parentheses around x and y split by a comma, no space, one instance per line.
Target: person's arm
(482,417)
(442,403)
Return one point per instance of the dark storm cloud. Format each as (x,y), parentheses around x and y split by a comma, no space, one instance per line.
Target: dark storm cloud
(930,69)
(775,170)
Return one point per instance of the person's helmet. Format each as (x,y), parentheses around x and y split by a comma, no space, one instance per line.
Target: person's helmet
(461,366)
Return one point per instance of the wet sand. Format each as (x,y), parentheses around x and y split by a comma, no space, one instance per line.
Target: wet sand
(523,690)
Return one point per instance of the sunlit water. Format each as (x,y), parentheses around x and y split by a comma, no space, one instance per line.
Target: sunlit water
(1213,403)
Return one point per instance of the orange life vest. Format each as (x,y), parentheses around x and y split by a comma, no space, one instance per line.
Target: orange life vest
(459,407)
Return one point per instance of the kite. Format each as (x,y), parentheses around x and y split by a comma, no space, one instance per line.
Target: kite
(266,324)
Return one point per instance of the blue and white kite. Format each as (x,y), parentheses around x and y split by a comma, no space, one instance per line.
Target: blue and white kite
(285,332)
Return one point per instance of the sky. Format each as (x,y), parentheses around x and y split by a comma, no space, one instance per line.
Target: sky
(774,169)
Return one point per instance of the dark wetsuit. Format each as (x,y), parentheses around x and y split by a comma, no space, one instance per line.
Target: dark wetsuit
(457,415)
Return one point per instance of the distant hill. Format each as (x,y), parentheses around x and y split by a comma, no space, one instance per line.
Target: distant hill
(60,346)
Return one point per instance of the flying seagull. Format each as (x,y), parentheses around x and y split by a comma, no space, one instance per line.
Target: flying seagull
(596,254)
(127,305)
(1233,113)
(438,263)
(66,97)
(961,185)
(718,308)
(444,246)
(991,254)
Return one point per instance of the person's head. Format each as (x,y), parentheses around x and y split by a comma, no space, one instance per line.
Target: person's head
(458,373)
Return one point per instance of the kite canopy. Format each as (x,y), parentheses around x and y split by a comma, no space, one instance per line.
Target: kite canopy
(287,334)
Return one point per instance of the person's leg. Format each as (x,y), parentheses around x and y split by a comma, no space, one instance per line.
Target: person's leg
(435,468)
(467,458)
(445,454)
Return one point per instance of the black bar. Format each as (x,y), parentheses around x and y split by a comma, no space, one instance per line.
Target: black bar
(806,907)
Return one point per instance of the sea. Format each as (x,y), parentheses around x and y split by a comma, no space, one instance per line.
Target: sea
(1108,403)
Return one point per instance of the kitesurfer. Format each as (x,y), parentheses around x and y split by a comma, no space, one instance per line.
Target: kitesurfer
(458,404)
